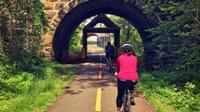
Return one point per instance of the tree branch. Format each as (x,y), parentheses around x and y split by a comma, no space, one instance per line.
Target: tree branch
(193,17)
(192,3)
(195,7)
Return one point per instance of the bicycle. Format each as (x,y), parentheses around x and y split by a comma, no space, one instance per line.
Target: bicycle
(126,104)
(111,63)
(126,100)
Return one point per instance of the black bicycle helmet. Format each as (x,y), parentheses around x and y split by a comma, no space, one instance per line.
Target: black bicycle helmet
(127,48)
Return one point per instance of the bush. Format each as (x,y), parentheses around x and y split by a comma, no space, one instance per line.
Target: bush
(32,90)
(166,96)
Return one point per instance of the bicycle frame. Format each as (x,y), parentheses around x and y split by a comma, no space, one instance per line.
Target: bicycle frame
(110,64)
(126,105)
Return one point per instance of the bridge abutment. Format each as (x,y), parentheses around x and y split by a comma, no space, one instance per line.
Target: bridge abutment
(55,10)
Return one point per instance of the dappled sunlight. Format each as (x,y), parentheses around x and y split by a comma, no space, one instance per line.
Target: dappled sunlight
(88,78)
(94,49)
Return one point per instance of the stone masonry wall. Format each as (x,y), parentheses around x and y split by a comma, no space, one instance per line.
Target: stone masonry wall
(55,10)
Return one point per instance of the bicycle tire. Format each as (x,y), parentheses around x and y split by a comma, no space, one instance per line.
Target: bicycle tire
(126,105)
(110,65)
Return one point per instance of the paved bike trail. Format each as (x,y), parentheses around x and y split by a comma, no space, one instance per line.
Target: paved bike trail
(80,94)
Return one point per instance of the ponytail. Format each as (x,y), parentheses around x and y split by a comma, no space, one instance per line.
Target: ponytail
(130,53)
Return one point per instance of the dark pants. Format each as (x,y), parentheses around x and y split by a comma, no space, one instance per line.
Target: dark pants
(110,56)
(121,87)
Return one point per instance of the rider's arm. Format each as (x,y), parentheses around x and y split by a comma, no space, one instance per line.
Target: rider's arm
(117,69)
(138,69)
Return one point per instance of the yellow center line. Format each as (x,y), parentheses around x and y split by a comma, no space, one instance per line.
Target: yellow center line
(100,71)
(98,97)
(98,101)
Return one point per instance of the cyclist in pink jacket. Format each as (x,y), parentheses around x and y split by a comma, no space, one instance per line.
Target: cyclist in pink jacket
(127,71)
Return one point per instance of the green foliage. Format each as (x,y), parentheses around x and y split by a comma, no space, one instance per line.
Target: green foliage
(75,42)
(167,97)
(129,34)
(176,39)
(28,91)
(27,81)
(22,22)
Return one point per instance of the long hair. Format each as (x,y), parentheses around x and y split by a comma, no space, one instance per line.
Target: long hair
(128,49)
(132,52)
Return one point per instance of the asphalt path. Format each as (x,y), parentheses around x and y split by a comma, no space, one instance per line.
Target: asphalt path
(93,89)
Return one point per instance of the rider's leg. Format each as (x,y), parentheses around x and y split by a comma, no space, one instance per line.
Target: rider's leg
(131,89)
(106,58)
(112,59)
(120,92)
(132,96)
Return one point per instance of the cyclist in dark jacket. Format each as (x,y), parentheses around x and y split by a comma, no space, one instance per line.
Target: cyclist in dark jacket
(110,52)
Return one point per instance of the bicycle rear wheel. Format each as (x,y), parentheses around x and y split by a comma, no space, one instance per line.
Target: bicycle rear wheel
(110,64)
(126,106)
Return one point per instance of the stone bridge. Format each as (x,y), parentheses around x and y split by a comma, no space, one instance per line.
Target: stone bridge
(65,15)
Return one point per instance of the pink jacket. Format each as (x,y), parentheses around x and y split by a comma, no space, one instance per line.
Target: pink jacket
(127,67)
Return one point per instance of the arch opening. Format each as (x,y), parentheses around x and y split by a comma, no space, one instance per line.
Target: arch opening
(88,9)
(110,27)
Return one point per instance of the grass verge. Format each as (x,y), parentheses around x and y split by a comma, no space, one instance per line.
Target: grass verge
(167,97)
(24,92)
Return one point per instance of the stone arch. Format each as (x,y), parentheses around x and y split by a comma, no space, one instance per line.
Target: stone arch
(90,8)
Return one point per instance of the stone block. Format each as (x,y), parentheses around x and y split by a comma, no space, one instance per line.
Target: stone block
(54,24)
(59,6)
(47,40)
(65,9)
(52,27)
(51,13)
(81,1)
(61,14)
(53,0)
(49,20)
(49,6)
(71,5)
(43,1)
(51,33)
(57,20)
(48,48)
(47,54)
(65,0)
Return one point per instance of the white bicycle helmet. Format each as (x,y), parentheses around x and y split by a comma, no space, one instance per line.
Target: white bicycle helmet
(127,48)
